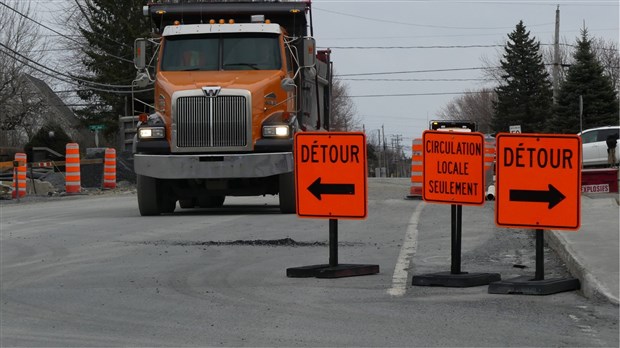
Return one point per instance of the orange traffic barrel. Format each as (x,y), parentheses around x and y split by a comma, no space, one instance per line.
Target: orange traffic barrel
(489,154)
(19,175)
(416,169)
(109,169)
(72,168)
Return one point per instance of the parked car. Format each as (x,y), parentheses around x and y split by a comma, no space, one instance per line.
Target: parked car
(594,142)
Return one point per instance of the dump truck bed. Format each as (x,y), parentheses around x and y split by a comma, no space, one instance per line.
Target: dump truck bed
(291,15)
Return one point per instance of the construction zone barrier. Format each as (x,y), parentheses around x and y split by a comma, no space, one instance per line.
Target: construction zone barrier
(416,169)
(109,169)
(19,175)
(489,155)
(72,168)
(489,164)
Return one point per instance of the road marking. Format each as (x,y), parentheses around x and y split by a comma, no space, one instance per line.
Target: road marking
(399,279)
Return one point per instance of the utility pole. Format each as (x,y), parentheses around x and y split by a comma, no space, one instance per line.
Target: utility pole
(398,153)
(380,164)
(581,113)
(556,57)
(393,161)
(385,161)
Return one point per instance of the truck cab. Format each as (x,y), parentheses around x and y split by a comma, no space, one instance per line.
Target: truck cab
(230,92)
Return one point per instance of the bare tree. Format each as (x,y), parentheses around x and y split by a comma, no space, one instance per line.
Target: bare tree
(343,113)
(566,55)
(474,106)
(20,43)
(606,52)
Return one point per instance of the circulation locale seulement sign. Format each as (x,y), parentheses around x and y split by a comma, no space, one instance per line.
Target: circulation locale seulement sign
(453,167)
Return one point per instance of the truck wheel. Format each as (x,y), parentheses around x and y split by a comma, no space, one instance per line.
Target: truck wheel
(147,195)
(167,205)
(287,193)
(187,203)
(211,201)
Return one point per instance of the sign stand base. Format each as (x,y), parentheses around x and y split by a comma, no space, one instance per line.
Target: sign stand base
(333,269)
(455,278)
(327,271)
(525,285)
(460,280)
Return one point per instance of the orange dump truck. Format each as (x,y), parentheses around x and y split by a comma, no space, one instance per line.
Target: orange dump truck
(233,81)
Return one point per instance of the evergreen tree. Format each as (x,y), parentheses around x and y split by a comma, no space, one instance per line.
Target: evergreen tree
(525,97)
(585,78)
(109,28)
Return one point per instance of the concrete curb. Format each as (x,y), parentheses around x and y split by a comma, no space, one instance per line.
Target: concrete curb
(591,287)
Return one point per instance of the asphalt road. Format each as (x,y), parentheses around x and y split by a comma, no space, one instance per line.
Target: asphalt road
(89,271)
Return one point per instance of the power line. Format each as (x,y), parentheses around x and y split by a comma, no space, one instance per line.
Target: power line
(69,81)
(410,71)
(421,80)
(408,47)
(60,34)
(410,94)
(58,72)
(576,3)
(433,47)
(366,38)
(421,25)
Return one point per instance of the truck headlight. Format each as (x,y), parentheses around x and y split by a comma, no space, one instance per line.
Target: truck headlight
(151,132)
(276,131)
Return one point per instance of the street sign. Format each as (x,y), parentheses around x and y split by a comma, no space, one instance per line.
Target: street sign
(330,175)
(453,170)
(538,181)
(94,127)
(515,129)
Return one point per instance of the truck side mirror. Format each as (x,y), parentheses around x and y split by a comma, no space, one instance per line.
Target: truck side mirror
(139,54)
(288,84)
(309,51)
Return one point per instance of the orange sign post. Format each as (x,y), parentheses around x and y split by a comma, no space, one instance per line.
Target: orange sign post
(453,173)
(453,167)
(330,183)
(538,186)
(538,181)
(330,175)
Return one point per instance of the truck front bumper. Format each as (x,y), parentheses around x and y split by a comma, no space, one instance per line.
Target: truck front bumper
(254,165)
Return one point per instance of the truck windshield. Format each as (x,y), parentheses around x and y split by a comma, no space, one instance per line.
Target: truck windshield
(224,52)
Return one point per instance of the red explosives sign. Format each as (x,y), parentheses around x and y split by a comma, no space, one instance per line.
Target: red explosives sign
(330,175)
(453,167)
(538,181)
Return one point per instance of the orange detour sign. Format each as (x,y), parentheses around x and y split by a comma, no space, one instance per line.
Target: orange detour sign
(330,175)
(453,167)
(538,181)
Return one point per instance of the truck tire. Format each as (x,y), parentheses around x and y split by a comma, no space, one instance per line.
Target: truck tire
(148,202)
(287,193)
(211,201)
(187,203)
(167,205)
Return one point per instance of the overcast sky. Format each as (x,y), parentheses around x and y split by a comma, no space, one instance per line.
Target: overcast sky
(435,23)
(345,26)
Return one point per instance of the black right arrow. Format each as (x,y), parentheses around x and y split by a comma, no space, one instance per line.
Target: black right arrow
(317,189)
(551,196)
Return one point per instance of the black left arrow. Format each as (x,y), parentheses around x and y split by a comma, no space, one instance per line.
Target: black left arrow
(552,196)
(318,189)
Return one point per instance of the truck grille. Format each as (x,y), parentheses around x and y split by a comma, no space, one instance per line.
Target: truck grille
(220,122)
